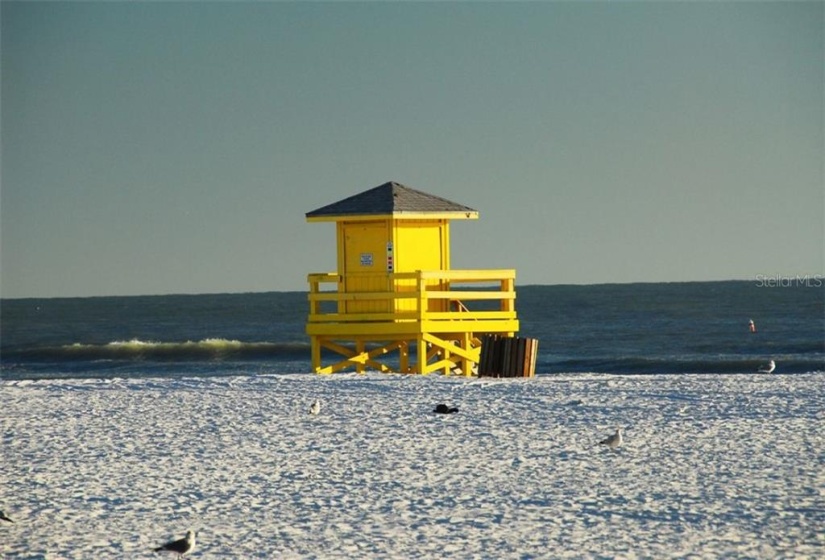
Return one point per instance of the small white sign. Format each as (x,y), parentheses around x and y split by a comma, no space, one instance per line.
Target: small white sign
(366,259)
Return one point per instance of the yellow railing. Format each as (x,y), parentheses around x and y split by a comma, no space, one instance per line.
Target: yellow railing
(431,295)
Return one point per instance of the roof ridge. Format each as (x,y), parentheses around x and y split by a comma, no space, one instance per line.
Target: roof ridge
(391,197)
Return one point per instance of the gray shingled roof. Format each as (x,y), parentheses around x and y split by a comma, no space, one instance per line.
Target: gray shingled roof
(389,198)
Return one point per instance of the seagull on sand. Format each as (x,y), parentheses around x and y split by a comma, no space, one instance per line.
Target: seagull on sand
(180,546)
(5,517)
(768,368)
(315,408)
(613,441)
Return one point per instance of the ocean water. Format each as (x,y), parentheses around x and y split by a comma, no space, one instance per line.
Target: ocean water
(696,327)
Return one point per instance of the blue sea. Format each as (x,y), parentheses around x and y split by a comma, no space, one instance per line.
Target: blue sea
(694,327)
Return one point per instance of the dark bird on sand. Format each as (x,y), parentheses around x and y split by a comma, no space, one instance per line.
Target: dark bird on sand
(5,517)
(444,409)
(180,546)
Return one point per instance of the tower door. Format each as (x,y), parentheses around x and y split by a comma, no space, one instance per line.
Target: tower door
(365,264)
(421,245)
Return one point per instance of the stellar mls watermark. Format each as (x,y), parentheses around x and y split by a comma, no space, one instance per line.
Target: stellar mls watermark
(783,281)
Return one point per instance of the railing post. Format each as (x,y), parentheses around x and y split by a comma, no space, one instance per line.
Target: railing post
(313,289)
(421,289)
(507,286)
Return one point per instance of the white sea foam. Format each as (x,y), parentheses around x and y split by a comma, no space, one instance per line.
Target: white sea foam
(95,469)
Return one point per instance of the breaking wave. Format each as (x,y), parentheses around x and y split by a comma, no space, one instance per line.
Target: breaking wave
(210,349)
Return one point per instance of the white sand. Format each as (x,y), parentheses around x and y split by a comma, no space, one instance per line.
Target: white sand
(712,466)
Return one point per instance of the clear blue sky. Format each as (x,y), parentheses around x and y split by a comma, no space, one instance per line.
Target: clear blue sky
(153,147)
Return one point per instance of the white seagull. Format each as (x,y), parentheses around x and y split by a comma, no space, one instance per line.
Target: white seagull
(768,368)
(315,408)
(613,441)
(180,546)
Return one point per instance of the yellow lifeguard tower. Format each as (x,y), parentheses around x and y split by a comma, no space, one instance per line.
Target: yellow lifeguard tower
(394,291)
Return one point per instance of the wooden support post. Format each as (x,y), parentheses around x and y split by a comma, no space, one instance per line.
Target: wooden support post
(466,364)
(316,354)
(421,357)
(359,349)
(404,356)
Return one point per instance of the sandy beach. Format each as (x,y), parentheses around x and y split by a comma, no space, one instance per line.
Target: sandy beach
(713,466)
